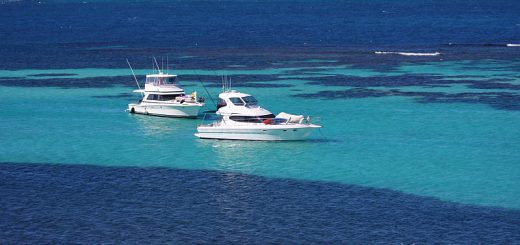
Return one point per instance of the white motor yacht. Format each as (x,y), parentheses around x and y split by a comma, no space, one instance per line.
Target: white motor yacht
(163,96)
(240,118)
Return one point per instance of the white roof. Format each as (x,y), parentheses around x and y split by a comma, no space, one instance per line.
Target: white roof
(161,75)
(231,94)
(231,109)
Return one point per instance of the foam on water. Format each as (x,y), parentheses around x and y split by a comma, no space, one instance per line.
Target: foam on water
(408,53)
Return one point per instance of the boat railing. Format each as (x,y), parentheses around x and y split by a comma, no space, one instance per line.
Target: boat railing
(310,120)
(210,120)
(275,121)
(300,120)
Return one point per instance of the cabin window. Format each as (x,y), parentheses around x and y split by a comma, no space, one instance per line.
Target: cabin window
(236,101)
(250,100)
(253,119)
(161,80)
(267,116)
(153,97)
(156,80)
(221,103)
(168,97)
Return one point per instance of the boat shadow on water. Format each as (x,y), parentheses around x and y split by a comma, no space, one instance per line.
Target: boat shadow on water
(157,125)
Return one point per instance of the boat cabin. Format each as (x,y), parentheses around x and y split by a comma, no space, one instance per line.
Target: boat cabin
(242,108)
(237,99)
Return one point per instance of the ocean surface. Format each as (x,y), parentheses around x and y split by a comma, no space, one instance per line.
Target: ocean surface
(419,103)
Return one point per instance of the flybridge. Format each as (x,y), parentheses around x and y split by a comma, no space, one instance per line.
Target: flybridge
(161,79)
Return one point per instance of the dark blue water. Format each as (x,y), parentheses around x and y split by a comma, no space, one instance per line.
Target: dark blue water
(53,34)
(87,204)
(261,24)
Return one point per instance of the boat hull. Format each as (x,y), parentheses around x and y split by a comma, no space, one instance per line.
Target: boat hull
(261,133)
(166,110)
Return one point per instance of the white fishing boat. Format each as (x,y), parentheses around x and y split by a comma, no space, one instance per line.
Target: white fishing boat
(240,118)
(163,96)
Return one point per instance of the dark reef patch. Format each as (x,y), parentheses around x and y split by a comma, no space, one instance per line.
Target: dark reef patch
(304,71)
(410,80)
(263,81)
(255,85)
(235,79)
(377,81)
(90,82)
(494,85)
(257,81)
(346,94)
(8,78)
(64,203)
(361,88)
(120,95)
(498,100)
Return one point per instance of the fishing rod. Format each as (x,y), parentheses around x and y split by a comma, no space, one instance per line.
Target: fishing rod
(205,89)
(135,78)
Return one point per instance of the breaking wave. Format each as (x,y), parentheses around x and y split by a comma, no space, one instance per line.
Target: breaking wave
(484,45)
(408,53)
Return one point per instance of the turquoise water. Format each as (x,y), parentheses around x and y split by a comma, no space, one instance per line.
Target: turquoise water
(461,152)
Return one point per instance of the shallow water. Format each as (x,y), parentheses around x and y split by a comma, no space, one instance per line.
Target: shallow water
(465,152)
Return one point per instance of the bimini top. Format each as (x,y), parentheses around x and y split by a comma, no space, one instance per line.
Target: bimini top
(231,94)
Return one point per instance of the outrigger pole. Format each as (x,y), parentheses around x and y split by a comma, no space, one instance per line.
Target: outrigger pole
(158,68)
(135,78)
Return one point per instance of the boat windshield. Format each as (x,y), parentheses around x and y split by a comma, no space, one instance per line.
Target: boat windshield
(221,103)
(236,101)
(161,80)
(250,101)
